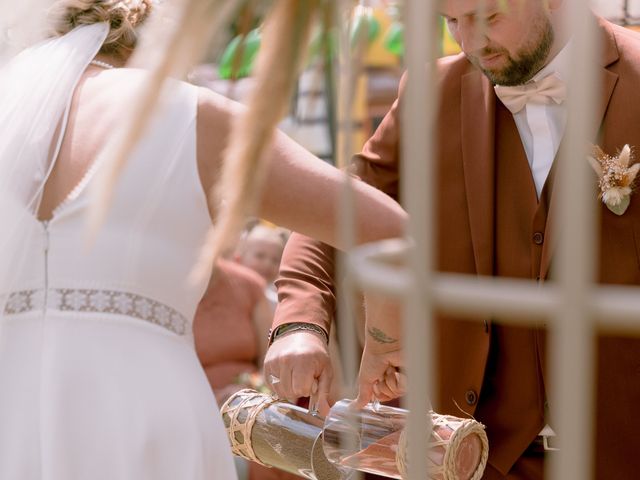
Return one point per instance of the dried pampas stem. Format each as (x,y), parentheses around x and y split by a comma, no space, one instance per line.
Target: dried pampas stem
(285,37)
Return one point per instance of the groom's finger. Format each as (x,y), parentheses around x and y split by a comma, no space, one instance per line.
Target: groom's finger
(400,384)
(302,380)
(285,389)
(365,393)
(275,384)
(382,391)
(319,401)
(392,380)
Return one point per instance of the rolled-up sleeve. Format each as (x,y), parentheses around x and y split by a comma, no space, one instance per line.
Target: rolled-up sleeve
(306,291)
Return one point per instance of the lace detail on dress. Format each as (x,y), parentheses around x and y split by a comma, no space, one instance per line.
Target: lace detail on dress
(98,301)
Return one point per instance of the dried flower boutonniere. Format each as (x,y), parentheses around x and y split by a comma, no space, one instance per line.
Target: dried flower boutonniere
(616,177)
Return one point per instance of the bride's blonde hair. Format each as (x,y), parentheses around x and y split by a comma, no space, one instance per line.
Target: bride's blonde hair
(123,16)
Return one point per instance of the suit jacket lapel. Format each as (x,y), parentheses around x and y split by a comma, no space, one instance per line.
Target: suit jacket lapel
(478,129)
(608,81)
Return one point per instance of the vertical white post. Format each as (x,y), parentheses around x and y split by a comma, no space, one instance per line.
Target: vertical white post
(345,290)
(571,339)
(344,149)
(418,109)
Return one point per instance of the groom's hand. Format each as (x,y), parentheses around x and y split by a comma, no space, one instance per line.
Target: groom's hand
(380,377)
(298,365)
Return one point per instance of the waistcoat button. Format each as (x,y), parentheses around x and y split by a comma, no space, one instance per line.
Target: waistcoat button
(471,397)
(538,238)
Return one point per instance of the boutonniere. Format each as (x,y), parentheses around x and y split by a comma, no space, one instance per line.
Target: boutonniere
(616,177)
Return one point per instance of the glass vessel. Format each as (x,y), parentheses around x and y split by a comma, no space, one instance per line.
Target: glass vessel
(278,434)
(373,440)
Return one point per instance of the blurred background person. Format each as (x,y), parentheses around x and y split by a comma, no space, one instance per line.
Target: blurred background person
(260,249)
(230,328)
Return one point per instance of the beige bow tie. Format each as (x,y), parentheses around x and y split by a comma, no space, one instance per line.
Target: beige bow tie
(543,92)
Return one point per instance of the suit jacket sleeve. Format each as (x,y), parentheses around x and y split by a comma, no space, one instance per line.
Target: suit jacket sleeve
(305,287)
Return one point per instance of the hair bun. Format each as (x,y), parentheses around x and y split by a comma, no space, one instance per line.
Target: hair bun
(123,16)
(138,10)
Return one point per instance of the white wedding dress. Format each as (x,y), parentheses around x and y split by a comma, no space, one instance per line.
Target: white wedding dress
(99,379)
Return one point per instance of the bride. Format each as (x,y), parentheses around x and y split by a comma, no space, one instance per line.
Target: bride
(98,374)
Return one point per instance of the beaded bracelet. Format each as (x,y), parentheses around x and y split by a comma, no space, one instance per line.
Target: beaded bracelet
(295,326)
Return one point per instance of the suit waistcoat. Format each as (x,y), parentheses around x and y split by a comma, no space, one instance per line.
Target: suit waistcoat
(512,398)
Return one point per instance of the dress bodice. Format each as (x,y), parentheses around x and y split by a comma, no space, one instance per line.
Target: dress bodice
(139,261)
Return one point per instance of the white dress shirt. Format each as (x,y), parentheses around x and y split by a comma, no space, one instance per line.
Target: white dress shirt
(542,127)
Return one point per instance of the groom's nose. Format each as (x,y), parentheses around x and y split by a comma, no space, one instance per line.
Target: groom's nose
(471,37)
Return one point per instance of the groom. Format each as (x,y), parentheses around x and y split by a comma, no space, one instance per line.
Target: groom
(495,190)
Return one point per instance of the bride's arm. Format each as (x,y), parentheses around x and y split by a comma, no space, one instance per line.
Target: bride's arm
(303,193)
(300,191)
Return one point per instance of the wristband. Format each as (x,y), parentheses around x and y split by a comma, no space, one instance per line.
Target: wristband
(296,326)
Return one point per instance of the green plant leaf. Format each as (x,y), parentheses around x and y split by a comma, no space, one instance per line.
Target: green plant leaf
(362,23)
(244,66)
(394,39)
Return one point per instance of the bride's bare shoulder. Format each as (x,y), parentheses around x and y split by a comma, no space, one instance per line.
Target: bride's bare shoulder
(116,83)
(119,87)
(214,108)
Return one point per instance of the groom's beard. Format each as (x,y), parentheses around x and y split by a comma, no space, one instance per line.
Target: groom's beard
(521,67)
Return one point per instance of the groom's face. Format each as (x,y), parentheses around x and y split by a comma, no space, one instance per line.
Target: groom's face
(508,40)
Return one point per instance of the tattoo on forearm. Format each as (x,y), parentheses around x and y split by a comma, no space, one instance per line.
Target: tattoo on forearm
(379,336)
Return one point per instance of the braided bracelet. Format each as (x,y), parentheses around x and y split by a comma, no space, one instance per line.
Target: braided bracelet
(296,326)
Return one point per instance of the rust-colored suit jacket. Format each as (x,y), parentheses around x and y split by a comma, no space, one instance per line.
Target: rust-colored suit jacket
(465,239)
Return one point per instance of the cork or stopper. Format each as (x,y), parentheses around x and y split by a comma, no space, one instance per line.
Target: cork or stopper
(468,458)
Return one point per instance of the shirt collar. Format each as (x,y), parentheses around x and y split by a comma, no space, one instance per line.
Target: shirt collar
(560,65)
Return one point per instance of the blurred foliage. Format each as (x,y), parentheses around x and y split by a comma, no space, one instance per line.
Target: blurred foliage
(364,26)
(394,39)
(238,58)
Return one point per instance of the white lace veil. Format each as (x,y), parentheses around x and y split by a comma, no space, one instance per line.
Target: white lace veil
(36,86)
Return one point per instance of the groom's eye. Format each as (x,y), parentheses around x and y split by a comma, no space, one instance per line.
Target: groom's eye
(451,22)
(492,18)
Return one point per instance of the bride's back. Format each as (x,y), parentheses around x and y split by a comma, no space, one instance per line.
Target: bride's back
(100,104)
(102,98)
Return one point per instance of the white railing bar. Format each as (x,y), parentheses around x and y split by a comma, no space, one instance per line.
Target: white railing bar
(346,80)
(417,145)
(519,302)
(571,352)
(616,308)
